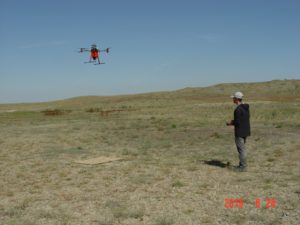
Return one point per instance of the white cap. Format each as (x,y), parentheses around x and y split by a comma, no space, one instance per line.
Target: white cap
(238,95)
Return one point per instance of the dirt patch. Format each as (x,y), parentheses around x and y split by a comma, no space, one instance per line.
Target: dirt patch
(98,160)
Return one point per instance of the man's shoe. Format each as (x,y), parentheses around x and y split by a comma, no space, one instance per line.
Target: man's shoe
(240,169)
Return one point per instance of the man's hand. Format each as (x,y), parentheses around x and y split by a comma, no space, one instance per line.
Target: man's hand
(229,123)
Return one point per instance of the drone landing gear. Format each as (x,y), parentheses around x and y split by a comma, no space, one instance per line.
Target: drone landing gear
(96,63)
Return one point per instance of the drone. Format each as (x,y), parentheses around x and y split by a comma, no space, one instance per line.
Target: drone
(94,54)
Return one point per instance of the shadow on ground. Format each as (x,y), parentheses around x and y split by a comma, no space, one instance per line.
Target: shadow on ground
(216,163)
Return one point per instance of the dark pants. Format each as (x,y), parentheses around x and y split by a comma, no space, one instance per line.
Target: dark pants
(241,148)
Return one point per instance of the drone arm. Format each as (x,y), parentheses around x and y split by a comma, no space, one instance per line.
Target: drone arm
(105,50)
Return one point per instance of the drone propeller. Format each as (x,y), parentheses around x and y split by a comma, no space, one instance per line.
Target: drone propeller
(83,50)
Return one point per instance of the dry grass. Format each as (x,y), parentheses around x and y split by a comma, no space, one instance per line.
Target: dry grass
(178,151)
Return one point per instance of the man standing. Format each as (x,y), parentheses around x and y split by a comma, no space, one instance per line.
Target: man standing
(241,123)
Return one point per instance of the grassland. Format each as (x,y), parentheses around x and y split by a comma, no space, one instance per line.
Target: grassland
(176,149)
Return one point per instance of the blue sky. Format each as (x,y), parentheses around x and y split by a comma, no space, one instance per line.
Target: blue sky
(156,45)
